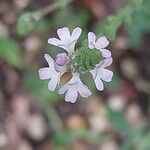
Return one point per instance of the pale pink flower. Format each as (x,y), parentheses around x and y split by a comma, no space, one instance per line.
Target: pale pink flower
(100,73)
(67,41)
(53,72)
(73,87)
(99,44)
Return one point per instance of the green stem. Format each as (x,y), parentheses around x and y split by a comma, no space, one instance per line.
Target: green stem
(53,118)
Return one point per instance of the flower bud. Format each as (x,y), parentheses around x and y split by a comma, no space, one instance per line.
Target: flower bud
(61,59)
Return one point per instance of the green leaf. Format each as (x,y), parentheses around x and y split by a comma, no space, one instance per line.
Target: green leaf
(40,88)
(119,122)
(10,51)
(63,138)
(27,22)
(67,137)
(110,27)
(115,84)
(140,24)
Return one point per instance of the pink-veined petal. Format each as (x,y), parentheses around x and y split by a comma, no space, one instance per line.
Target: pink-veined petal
(44,73)
(102,42)
(64,34)
(105,74)
(91,40)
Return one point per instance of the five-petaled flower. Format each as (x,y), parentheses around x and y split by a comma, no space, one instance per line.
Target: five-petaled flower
(94,59)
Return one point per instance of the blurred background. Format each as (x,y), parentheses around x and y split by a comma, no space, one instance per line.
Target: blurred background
(33,118)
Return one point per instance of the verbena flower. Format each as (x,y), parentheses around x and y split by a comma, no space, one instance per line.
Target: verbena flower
(67,41)
(93,58)
(73,87)
(99,44)
(53,72)
(100,73)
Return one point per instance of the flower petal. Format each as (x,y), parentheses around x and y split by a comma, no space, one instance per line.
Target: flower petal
(99,83)
(49,60)
(106,53)
(91,40)
(105,74)
(53,83)
(71,95)
(84,91)
(94,73)
(107,62)
(75,78)
(76,34)
(63,89)
(54,41)
(64,34)
(102,42)
(44,73)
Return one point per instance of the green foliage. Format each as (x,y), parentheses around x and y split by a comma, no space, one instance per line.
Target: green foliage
(35,85)
(86,59)
(144,142)
(136,3)
(67,137)
(123,16)
(63,3)
(71,18)
(140,24)
(115,84)
(27,22)
(110,29)
(10,51)
(120,124)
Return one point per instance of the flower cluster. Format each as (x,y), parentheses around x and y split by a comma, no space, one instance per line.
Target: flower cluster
(94,59)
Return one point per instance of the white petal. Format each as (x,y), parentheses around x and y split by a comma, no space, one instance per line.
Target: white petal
(49,60)
(105,74)
(62,44)
(69,47)
(107,62)
(44,73)
(63,89)
(75,78)
(76,34)
(91,40)
(64,34)
(99,84)
(106,53)
(94,73)
(71,95)
(53,83)
(84,91)
(102,42)
(54,41)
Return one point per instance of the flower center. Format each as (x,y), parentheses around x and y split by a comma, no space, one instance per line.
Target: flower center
(86,59)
